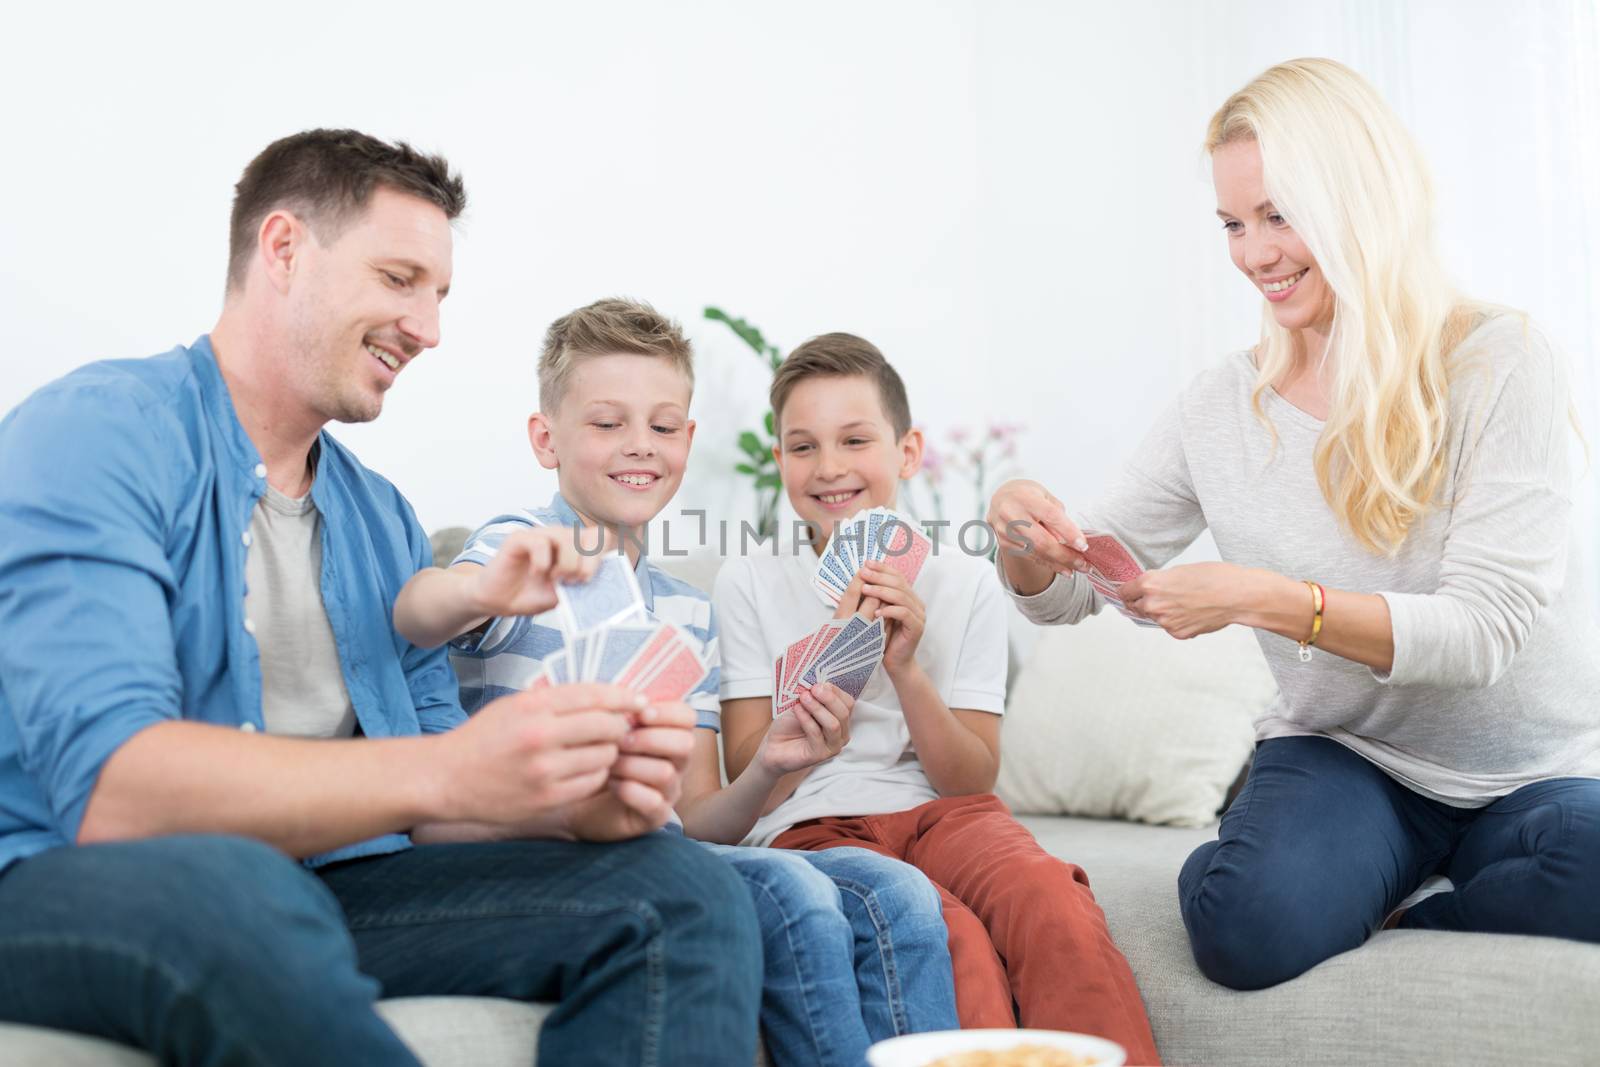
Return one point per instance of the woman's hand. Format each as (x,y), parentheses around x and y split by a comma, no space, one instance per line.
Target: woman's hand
(1037,540)
(1195,598)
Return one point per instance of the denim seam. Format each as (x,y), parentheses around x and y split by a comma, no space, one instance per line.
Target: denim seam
(179,985)
(881,931)
(812,1016)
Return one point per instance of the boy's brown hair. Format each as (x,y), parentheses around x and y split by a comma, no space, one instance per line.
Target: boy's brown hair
(843,355)
(606,328)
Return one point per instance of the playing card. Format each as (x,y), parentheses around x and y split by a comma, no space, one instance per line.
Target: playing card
(610,597)
(826,590)
(836,572)
(790,664)
(906,550)
(874,546)
(647,658)
(845,546)
(878,534)
(619,647)
(1111,558)
(676,677)
(860,639)
(1113,595)
(820,639)
(854,680)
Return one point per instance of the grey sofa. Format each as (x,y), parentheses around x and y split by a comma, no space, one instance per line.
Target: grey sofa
(1406,997)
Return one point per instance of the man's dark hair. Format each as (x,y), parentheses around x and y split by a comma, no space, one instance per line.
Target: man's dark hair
(325,177)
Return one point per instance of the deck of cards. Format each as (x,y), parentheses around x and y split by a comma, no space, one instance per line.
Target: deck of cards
(841,652)
(608,636)
(878,535)
(656,658)
(1110,565)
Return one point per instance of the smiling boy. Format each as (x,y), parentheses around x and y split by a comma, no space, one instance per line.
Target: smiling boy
(914,779)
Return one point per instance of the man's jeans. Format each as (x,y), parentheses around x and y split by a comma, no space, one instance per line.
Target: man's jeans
(217,950)
(1320,846)
(855,950)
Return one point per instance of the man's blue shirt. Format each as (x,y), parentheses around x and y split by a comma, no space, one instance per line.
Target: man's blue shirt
(126,492)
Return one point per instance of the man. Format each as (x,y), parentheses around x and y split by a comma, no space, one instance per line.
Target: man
(199,681)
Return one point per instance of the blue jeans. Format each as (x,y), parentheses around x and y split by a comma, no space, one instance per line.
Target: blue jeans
(855,951)
(1320,846)
(213,951)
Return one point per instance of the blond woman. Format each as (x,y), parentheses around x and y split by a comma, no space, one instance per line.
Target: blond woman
(1387,478)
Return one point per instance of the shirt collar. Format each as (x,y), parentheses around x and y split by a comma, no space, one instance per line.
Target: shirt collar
(219,404)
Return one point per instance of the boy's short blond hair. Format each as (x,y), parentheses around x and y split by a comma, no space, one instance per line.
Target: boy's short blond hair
(606,328)
(843,355)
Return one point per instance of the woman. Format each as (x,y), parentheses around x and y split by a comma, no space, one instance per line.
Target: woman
(1387,478)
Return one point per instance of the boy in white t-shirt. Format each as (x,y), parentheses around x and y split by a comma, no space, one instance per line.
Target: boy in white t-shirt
(914,778)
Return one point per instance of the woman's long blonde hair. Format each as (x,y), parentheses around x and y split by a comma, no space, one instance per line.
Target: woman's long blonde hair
(1344,172)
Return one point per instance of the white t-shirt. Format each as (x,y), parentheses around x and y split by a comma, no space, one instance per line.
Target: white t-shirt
(764,603)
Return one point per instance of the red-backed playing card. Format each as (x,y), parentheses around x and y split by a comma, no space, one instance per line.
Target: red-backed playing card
(1108,556)
(907,550)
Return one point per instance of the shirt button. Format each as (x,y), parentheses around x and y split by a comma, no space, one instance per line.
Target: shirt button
(261,470)
(248,727)
(250,626)
(244,538)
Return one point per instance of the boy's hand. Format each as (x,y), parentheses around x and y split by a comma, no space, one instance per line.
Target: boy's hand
(903,609)
(854,601)
(520,579)
(804,736)
(645,782)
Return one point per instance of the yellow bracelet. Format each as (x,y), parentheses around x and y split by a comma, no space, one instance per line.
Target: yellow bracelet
(1318,598)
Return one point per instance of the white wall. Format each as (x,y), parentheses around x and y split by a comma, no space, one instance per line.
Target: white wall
(1007,196)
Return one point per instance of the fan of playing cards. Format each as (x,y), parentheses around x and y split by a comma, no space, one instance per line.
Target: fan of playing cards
(1110,565)
(609,637)
(876,535)
(841,652)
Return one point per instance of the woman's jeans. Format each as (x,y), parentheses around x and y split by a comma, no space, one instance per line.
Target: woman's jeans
(215,950)
(1321,846)
(855,951)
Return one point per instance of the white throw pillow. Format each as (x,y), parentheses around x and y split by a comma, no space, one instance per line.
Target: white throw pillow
(1111,719)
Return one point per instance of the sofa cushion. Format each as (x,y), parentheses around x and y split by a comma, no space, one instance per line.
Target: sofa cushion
(1112,719)
(1406,997)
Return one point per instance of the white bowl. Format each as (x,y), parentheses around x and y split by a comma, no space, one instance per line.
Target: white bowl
(919,1050)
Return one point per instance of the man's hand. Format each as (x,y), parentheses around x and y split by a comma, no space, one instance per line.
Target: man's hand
(520,579)
(645,782)
(527,753)
(804,736)
(1037,540)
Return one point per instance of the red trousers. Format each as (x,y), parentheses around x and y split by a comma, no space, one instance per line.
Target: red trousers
(1024,927)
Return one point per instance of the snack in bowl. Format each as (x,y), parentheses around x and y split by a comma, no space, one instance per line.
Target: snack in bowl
(1019,1056)
(997,1048)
